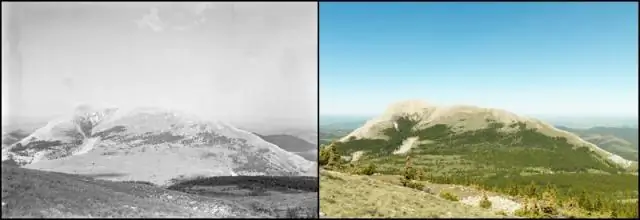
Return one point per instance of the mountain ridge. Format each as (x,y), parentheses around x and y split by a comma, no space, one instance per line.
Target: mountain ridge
(77,143)
(465,118)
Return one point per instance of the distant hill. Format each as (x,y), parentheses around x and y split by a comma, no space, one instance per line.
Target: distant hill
(327,135)
(294,144)
(622,141)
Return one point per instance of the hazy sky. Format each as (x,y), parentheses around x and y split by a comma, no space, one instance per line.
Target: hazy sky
(530,58)
(250,61)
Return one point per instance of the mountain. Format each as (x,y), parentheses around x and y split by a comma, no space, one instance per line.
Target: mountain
(294,144)
(622,141)
(150,144)
(10,138)
(522,166)
(420,128)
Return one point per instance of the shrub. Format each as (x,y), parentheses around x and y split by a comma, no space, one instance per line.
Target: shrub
(449,196)
(369,170)
(412,184)
(485,203)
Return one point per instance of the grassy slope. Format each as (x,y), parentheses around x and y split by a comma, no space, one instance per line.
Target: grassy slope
(343,195)
(33,193)
(283,196)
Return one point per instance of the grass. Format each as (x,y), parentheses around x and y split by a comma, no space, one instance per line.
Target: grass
(343,195)
(42,194)
(276,196)
(449,196)
(31,193)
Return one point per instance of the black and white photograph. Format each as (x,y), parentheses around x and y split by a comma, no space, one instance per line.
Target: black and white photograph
(157,110)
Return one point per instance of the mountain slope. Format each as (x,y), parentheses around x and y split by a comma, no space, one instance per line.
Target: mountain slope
(33,193)
(469,130)
(347,196)
(622,141)
(494,150)
(150,144)
(294,144)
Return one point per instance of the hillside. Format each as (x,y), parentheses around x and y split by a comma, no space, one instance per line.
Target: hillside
(32,193)
(41,194)
(150,144)
(494,149)
(622,141)
(293,144)
(485,129)
(348,196)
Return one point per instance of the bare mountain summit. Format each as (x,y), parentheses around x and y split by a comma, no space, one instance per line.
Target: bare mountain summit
(460,119)
(150,144)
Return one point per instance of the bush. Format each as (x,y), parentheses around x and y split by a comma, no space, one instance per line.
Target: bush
(449,196)
(412,184)
(325,155)
(485,203)
(368,170)
(329,156)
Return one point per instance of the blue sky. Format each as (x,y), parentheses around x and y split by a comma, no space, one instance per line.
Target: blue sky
(561,59)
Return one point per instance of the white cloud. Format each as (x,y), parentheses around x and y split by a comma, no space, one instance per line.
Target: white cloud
(155,22)
(151,20)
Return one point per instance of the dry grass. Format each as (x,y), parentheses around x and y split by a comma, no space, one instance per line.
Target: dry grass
(41,194)
(33,193)
(274,196)
(343,195)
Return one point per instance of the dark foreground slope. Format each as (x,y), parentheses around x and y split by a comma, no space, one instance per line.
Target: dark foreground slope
(41,194)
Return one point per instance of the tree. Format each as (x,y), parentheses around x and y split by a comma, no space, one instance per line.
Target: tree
(409,172)
(325,155)
(485,203)
(369,170)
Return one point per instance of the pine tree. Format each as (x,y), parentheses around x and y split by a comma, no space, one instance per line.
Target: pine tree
(409,172)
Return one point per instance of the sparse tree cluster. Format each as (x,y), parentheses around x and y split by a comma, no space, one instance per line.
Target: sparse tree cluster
(329,156)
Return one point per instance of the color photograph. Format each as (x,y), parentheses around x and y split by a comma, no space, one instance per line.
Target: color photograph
(478,110)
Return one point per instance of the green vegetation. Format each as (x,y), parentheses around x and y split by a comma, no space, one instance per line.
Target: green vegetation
(524,163)
(485,203)
(449,196)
